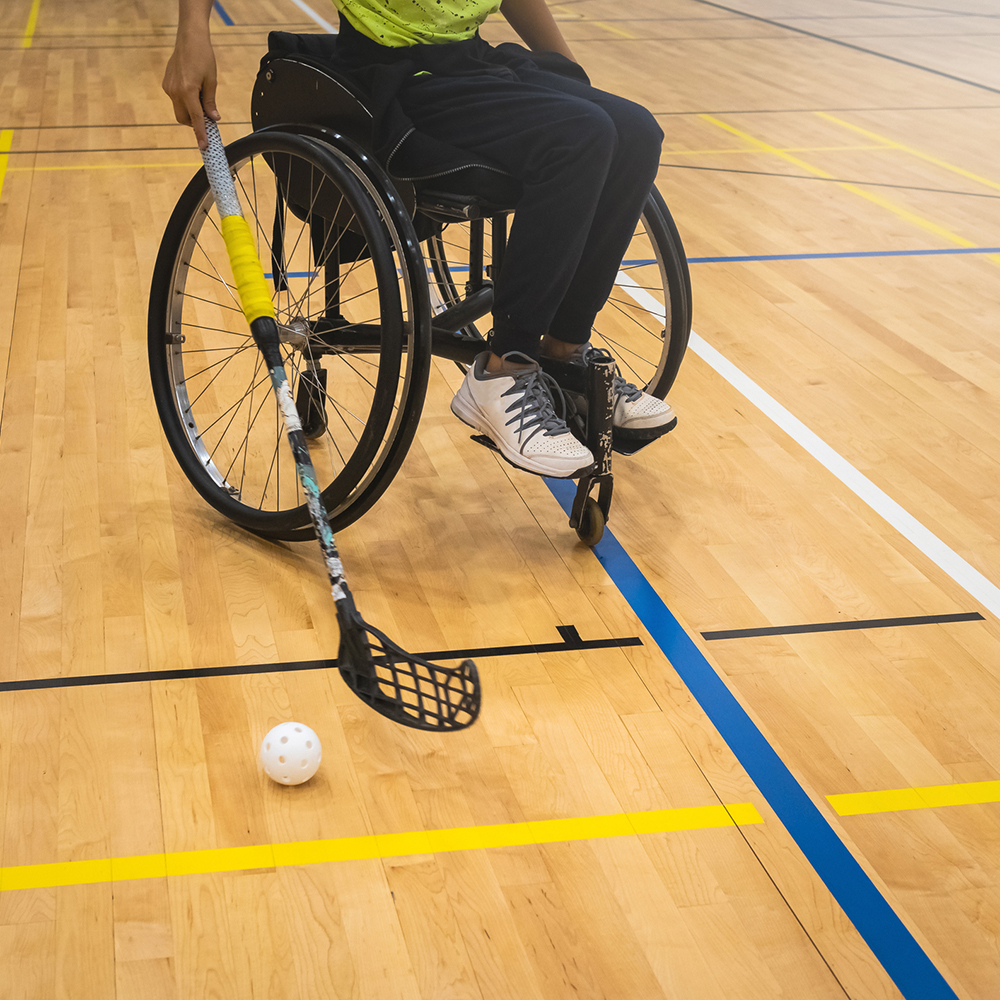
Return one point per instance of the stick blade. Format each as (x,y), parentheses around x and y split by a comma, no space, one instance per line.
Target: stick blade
(406,688)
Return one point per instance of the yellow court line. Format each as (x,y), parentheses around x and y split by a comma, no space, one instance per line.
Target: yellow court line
(6,140)
(877,199)
(928,797)
(29,30)
(891,143)
(614,31)
(230,859)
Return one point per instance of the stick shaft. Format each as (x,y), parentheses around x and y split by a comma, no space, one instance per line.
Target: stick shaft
(255,298)
(265,334)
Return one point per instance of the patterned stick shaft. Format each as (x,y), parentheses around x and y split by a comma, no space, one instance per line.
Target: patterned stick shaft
(265,333)
(255,297)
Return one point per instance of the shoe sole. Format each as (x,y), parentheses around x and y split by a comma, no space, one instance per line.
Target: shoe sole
(472,416)
(643,433)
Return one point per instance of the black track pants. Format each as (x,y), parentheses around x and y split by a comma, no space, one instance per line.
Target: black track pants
(586,159)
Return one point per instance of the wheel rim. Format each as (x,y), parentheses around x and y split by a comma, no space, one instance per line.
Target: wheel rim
(219,388)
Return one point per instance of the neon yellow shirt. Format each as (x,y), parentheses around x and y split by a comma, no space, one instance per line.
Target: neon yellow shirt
(417,22)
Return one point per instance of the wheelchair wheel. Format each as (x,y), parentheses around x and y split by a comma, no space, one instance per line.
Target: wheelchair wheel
(351,304)
(646,322)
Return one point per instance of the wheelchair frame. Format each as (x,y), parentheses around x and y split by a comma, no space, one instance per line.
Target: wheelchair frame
(374,218)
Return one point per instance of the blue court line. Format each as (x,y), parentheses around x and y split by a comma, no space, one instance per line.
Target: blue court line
(755,257)
(802,256)
(221,11)
(831,256)
(885,934)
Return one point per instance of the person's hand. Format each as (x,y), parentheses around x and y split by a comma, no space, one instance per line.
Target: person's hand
(190,81)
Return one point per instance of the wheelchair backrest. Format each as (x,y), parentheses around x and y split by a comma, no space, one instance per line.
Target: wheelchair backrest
(295,86)
(300,89)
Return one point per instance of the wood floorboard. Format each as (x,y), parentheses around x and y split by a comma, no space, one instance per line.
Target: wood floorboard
(802,128)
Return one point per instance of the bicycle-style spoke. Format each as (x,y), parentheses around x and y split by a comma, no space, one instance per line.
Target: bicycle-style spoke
(229,289)
(629,308)
(321,279)
(623,353)
(274,457)
(213,329)
(244,448)
(216,278)
(218,364)
(193,402)
(229,409)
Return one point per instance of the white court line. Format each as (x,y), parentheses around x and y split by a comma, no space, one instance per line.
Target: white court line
(325,25)
(965,575)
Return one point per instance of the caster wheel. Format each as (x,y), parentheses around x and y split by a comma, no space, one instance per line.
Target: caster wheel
(591,527)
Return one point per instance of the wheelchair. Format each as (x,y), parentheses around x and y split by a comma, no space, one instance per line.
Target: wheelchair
(371,277)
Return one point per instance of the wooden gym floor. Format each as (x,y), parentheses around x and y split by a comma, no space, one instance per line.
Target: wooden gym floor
(801,813)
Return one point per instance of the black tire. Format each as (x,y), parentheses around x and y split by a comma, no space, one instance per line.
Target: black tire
(211,389)
(646,323)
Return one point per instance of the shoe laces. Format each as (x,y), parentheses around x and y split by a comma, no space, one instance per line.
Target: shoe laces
(534,408)
(631,393)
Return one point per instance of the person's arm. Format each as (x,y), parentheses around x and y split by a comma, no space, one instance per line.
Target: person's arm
(190,77)
(534,22)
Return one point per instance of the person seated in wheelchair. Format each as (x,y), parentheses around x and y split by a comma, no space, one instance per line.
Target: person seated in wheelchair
(585,159)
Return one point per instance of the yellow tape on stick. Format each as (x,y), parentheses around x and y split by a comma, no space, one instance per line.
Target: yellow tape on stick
(251,285)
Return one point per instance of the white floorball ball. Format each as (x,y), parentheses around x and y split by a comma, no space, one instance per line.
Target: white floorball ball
(290,753)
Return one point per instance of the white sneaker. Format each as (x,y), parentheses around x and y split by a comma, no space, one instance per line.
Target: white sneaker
(516,411)
(636,412)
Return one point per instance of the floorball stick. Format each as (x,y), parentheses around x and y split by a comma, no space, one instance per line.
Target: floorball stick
(399,685)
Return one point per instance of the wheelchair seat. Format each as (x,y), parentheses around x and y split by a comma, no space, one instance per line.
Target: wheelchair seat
(297,85)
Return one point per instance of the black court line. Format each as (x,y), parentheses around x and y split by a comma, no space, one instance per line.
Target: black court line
(676,114)
(571,642)
(746,633)
(849,45)
(673,166)
(914,6)
(165,44)
(827,180)
(227,121)
(109,149)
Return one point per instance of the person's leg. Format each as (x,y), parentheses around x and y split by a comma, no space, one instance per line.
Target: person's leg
(565,348)
(560,146)
(630,178)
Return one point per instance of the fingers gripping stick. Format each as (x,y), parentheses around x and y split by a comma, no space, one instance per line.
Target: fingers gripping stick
(399,685)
